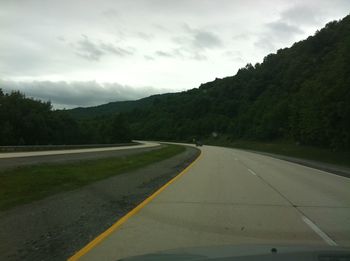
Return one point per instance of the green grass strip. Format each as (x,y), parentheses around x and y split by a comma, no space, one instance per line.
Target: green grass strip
(26,184)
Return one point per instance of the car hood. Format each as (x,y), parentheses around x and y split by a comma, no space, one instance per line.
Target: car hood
(250,253)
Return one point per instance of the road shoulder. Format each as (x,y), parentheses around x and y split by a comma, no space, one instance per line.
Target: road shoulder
(331,168)
(58,226)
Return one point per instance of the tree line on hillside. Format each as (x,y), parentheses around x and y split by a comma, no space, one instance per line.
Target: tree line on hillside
(300,93)
(25,121)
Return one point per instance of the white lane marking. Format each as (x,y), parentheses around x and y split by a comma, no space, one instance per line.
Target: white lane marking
(252,172)
(319,232)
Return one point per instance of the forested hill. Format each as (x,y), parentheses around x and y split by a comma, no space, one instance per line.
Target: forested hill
(24,121)
(112,107)
(300,93)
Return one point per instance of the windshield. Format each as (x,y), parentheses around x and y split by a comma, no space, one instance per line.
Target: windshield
(192,127)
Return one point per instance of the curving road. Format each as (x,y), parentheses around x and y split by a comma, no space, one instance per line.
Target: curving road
(8,155)
(234,197)
(56,227)
(18,159)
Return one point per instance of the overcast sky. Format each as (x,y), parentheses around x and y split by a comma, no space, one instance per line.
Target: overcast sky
(85,52)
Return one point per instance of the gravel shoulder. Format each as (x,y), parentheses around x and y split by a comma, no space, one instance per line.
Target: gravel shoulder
(58,226)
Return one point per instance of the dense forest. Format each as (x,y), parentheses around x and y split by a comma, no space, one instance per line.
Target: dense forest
(301,94)
(25,121)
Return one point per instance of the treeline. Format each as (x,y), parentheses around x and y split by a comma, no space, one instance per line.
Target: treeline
(300,93)
(25,121)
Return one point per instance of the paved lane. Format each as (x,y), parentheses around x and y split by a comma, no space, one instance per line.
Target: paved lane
(236,197)
(7,155)
(19,161)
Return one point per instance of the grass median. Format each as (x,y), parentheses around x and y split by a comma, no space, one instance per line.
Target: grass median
(26,184)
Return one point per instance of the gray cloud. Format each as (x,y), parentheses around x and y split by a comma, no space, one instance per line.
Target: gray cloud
(241,37)
(115,50)
(198,56)
(283,29)
(304,15)
(145,36)
(234,56)
(61,38)
(199,39)
(74,94)
(300,19)
(164,54)
(89,50)
(202,39)
(277,32)
(148,57)
(193,44)
(265,43)
(183,53)
(110,12)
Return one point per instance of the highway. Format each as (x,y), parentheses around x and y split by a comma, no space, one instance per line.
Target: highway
(10,160)
(233,197)
(8,155)
(55,227)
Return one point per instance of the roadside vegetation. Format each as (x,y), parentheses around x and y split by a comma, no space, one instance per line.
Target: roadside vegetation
(26,184)
(25,121)
(299,94)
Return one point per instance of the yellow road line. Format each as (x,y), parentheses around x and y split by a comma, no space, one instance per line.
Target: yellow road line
(122,220)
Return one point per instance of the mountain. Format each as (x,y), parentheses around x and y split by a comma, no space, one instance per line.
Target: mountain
(301,93)
(112,107)
(25,121)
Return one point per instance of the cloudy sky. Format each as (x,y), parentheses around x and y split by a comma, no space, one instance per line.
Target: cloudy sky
(85,52)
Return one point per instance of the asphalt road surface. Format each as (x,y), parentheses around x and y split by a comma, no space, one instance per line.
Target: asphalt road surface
(234,197)
(7,155)
(54,228)
(17,159)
